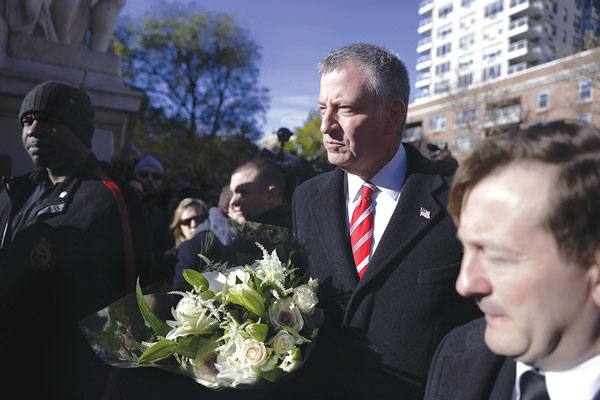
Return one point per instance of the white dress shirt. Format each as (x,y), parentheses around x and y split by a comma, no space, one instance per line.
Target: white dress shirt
(388,182)
(581,382)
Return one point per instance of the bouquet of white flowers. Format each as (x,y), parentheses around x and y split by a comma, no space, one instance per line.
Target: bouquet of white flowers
(237,325)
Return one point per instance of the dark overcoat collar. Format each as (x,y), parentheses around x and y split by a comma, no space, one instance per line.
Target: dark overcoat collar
(422,183)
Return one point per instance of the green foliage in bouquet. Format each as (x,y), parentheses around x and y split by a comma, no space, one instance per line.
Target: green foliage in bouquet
(237,325)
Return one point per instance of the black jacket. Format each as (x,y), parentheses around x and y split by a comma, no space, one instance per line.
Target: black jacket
(58,266)
(465,368)
(381,331)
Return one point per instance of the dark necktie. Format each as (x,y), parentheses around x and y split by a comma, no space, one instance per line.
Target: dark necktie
(533,386)
(361,229)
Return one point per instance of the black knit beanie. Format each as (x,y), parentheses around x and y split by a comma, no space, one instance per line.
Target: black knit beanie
(69,104)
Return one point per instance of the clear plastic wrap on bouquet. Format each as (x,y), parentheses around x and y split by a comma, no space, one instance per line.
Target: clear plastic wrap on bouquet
(241,323)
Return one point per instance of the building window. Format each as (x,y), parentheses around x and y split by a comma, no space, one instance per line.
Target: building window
(550,29)
(491,32)
(441,69)
(437,123)
(551,5)
(465,80)
(466,116)
(491,52)
(542,100)
(493,9)
(491,72)
(465,41)
(445,10)
(465,61)
(463,144)
(422,93)
(585,118)
(466,3)
(444,30)
(585,89)
(444,49)
(466,21)
(441,87)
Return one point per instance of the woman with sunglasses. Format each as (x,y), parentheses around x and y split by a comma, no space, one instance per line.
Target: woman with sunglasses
(187,217)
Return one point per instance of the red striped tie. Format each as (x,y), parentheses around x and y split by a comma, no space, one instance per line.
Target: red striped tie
(361,229)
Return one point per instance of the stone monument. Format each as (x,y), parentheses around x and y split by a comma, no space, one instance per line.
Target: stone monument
(65,40)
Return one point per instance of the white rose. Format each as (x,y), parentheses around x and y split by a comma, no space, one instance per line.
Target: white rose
(305,299)
(283,342)
(252,353)
(283,312)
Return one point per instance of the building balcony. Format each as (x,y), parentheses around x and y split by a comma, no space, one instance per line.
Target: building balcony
(525,28)
(423,79)
(426,7)
(521,8)
(422,93)
(425,26)
(502,116)
(423,62)
(424,45)
(522,66)
(524,50)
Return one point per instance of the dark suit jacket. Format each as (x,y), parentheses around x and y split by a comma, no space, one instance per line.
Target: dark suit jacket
(383,329)
(465,368)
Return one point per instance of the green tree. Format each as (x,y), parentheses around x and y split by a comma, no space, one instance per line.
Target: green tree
(203,161)
(199,71)
(308,138)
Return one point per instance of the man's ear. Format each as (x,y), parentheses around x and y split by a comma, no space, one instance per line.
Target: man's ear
(594,274)
(272,196)
(396,113)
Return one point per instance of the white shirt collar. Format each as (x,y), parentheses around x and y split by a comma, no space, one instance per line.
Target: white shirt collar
(388,180)
(581,382)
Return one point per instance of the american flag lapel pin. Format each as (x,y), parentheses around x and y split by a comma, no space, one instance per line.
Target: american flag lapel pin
(425,213)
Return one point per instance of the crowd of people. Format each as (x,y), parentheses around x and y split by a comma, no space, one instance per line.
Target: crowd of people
(439,283)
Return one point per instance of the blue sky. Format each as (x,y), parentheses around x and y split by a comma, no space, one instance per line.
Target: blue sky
(295,34)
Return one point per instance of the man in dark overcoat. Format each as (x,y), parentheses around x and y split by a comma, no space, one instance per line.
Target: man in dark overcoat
(377,236)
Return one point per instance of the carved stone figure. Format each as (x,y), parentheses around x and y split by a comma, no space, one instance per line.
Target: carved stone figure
(65,21)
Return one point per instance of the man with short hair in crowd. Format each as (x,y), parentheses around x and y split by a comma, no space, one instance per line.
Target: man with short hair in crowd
(74,239)
(257,188)
(377,236)
(527,206)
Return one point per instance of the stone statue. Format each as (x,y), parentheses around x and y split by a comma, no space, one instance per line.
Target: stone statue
(30,16)
(65,21)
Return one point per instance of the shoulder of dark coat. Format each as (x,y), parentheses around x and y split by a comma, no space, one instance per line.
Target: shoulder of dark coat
(466,337)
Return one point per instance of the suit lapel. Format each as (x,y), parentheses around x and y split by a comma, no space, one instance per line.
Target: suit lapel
(475,372)
(328,213)
(505,382)
(407,223)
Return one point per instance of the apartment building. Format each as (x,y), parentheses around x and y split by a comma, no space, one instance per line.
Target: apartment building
(565,88)
(465,42)
(483,47)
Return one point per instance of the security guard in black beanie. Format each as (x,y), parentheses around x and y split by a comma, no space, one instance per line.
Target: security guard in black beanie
(73,239)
